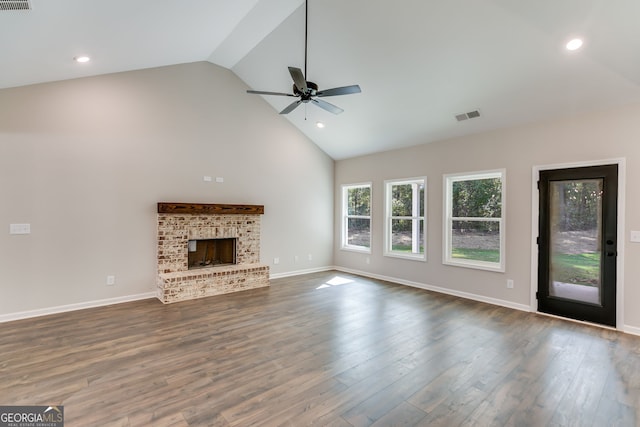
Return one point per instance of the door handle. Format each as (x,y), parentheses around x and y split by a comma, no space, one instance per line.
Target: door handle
(611,254)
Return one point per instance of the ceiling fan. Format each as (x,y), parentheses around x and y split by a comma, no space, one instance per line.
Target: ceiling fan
(307,91)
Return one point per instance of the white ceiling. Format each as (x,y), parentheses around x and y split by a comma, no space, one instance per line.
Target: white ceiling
(418,62)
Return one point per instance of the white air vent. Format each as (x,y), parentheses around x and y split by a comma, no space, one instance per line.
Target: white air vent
(470,115)
(15,5)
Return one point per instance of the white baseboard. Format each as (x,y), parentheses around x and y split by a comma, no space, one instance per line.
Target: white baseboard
(465,295)
(301,272)
(119,300)
(72,307)
(632,330)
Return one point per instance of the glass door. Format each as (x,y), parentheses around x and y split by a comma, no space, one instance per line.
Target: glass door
(577,243)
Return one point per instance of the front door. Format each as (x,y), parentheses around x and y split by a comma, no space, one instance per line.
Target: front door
(577,243)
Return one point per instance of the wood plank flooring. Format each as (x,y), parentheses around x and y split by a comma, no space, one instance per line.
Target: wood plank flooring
(310,351)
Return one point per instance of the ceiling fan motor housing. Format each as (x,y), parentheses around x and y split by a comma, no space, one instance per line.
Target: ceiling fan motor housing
(312,89)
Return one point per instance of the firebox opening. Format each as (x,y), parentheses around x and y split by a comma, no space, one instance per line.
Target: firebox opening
(211,253)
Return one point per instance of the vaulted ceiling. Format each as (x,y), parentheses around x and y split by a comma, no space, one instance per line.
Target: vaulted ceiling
(419,62)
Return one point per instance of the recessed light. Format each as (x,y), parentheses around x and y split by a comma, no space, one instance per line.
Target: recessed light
(574,44)
(82,59)
(320,125)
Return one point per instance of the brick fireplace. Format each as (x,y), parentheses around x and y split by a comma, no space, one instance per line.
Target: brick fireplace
(181,225)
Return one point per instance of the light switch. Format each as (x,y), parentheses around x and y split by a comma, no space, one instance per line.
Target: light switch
(19,228)
(206,178)
(219,179)
(635,236)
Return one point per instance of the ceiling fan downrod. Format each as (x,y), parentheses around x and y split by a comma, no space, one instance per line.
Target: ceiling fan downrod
(306,35)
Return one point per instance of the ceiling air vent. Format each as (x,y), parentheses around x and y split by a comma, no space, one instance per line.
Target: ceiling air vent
(470,115)
(15,5)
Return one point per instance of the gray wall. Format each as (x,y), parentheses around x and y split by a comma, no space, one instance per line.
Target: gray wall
(85,161)
(612,134)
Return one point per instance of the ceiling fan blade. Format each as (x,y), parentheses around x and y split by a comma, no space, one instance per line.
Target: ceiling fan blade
(262,92)
(291,107)
(298,79)
(329,107)
(345,90)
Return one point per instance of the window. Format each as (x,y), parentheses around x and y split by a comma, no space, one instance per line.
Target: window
(405,218)
(474,220)
(356,217)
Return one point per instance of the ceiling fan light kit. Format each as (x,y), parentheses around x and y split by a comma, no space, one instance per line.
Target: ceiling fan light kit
(307,91)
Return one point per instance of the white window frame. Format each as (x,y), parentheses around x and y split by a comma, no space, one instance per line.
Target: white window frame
(345,217)
(415,217)
(448,181)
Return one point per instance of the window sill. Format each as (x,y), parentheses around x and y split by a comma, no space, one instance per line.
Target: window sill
(410,257)
(359,249)
(497,268)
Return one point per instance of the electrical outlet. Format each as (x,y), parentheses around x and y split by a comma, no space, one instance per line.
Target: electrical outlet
(276,260)
(310,257)
(111,280)
(295,259)
(510,283)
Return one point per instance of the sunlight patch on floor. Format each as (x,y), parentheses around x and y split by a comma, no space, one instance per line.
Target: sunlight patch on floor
(336,281)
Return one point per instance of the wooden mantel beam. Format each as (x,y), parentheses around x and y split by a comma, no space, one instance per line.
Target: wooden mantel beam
(209,209)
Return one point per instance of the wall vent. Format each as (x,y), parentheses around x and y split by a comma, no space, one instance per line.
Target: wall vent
(470,115)
(15,5)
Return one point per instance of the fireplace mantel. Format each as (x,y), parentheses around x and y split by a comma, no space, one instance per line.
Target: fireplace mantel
(209,209)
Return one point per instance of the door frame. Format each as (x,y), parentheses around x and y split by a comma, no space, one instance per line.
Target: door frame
(535,209)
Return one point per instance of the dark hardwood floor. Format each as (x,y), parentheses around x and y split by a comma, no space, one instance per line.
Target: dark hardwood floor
(305,352)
